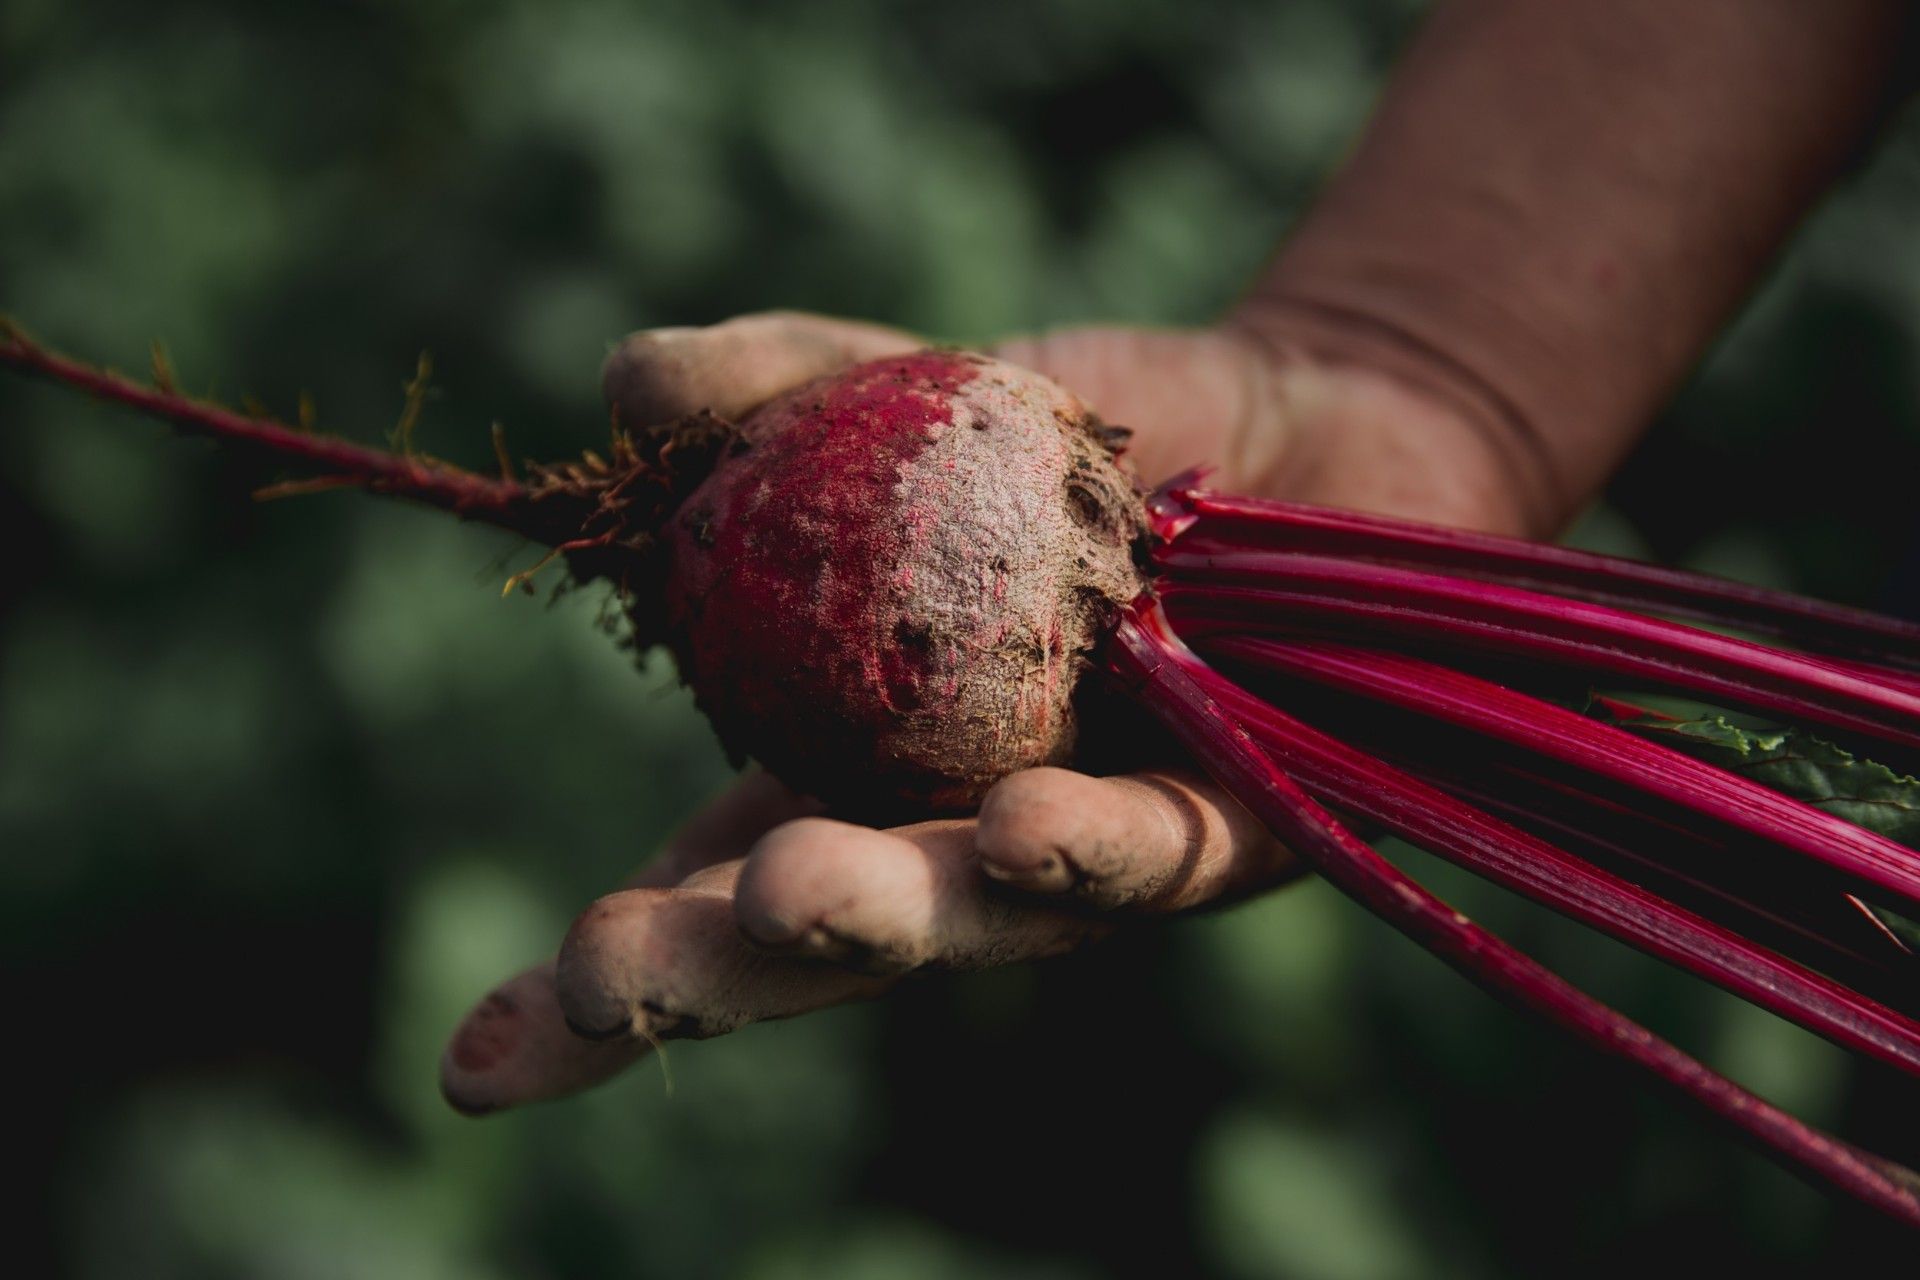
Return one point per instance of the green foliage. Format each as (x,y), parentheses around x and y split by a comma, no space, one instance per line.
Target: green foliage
(1799,764)
(1796,763)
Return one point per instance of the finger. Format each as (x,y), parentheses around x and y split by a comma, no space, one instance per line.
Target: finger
(514,1048)
(889,901)
(725,829)
(670,963)
(1191,396)
(658,375)
(1156,841)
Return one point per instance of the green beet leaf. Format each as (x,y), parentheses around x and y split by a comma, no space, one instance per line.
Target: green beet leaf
(1795,763)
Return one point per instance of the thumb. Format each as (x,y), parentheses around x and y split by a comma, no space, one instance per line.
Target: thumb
(1190,395)
(658,375)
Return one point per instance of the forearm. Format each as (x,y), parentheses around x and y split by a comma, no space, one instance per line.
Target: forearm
(1557,206)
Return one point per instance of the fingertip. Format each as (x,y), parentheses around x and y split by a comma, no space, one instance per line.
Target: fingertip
(592,984)
(1019,821)
(865,899)
(1056,831)
(795,875)
(470,1066)
(656,376)
(649,376)
(513,1048)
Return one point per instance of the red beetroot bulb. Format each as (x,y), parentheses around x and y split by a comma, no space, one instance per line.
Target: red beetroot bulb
(889,586)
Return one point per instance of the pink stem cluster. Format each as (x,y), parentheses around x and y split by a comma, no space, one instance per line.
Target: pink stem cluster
(1731,881)
(1250,524)
(1180,692)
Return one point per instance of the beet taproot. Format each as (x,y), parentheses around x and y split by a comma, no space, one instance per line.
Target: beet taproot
(889,586)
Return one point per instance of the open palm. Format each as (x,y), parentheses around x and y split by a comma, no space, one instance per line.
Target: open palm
(763,907)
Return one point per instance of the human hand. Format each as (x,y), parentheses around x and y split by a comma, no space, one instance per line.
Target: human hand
(762,907)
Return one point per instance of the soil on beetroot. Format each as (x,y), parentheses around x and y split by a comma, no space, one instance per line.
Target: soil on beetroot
(889,588)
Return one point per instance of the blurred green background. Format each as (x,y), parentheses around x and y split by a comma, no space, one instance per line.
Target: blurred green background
(284,787)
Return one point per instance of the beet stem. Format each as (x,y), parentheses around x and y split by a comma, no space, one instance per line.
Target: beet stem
(1360,784)
(1601,750)
(1811,923)
(467,494)
(1796,911)
(1281,591)
(1229,519)
(1152,663)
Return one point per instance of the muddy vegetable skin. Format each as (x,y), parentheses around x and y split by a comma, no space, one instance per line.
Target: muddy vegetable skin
(890,585)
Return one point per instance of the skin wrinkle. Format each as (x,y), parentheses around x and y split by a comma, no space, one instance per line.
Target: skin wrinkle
(1235,870)
(1339,334)
(1187,825)
(1153,803)
(1079,880)
(1141,872)
(1584,292)
(1107,886)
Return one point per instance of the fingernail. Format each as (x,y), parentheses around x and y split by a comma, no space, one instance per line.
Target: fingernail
(825,943)
(489,1034)
(1049,873)
(599,1034)
(470,1107)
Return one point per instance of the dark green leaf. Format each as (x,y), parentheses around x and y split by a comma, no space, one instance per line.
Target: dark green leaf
(1864,792)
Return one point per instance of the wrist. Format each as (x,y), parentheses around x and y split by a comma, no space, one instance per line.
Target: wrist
(1380,421)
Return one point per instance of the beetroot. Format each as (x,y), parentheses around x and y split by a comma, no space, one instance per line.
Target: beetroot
(894,579)
(888,586)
